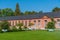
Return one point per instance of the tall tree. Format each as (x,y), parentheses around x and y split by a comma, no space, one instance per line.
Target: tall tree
(17,11)
(56,9)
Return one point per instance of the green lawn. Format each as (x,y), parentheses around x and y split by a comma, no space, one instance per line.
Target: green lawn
(30,35)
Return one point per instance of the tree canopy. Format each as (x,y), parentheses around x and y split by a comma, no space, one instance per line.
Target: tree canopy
(4,25)
(56,9)
(7,12)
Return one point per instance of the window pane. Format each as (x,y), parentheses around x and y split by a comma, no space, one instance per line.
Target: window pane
(25,23)
(38,20)
(34,20)
(45,20)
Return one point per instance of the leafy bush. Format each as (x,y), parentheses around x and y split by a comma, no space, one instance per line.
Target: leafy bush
(4,26)
(20,26)
(50,25)
(14,29)
(25,27)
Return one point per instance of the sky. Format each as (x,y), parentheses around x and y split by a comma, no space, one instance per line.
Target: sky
(31,5)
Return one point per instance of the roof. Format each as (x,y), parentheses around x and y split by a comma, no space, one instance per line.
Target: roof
(39,15)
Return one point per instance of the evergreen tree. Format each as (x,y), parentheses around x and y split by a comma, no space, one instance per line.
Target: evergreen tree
(17,11)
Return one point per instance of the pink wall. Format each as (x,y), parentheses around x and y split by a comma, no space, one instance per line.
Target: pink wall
(38,25)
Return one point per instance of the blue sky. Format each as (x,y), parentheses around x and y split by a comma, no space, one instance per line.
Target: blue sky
(31,5)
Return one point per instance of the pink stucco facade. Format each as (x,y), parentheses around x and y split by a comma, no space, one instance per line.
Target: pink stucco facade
(38,23)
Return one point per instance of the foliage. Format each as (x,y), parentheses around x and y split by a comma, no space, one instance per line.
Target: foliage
(17,11)
(14,29)
(56,9)
(50,25)
(53,20)
(4,25)
(20,25)
(7,12)
(29,12)
(25,27)
(30,24)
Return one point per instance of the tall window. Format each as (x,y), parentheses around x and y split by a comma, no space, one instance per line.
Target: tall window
(19,21)
(35,23)
(25,23)
(16,22)
(59,24)
(9,23)
(13,23)
(45,23)
(38,22)
(22,21)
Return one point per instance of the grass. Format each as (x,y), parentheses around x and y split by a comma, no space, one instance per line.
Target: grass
(30,35)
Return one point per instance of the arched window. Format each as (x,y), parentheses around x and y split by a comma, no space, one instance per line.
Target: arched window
(45,23)
(25,23)
(34,20)
(45,20)
(38,22)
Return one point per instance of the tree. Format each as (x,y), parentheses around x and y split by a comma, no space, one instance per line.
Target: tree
(33,12)
(22,13)
(56,9)
(17,11)
(4,26)
(7,12)
(53,20)
(30,13)
(27,12)
(51,25)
